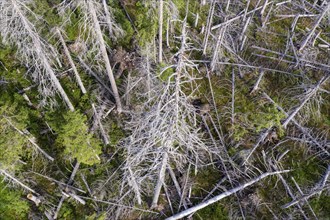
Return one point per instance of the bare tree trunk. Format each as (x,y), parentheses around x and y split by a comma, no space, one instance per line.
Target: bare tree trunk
(261,139)
(17,181)
(208,26)
(98,79)
(108,17)
(227,6)
(103,49)
(317,23)
(301,193)
(160,33)
(177,185)
(216,52)
(160,180)
(73,66)
(31,140)
(238,17)
(304,197)
(256,86)
(103,133)
(222,195)
(308,96)
(287,188)
(135,186)
(57,84)
(70,181)
(41,55)
(232,98)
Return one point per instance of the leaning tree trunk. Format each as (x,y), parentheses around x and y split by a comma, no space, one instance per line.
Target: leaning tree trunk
(73,66)
(98,31)
(36,48)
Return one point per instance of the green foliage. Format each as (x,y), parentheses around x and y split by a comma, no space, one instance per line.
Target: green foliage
(116,134)
(46,12)
(146,22)
(77,142)
(97,217)
(7,57)
(305,170)
(72,211)
(12,206)
(72,31)
(11,146)
(125,24)
(11,141)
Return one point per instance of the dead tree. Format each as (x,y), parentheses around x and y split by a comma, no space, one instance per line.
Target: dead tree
(73,66)
(102,45)
(98,120)
(305,197)
(17,29)
(304,130)
(16,181)
(160,33)
(114,29)
(208,202)
(93,14)
(316,24)
(70,181)
(307,96)
(31,139)
(162,134)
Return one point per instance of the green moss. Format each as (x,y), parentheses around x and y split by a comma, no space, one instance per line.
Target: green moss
(165,72)
(321,205)
(210,174)
(216,211)
(12,206)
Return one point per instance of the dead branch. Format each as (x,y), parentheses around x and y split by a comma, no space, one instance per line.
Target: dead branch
(306,98)
(32,140)
(17,29)
(103,133)
(70,181)
(15,180)
(312,31)
(223,195)
(305,197)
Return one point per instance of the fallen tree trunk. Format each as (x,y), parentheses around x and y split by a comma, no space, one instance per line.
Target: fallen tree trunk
(222,195)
